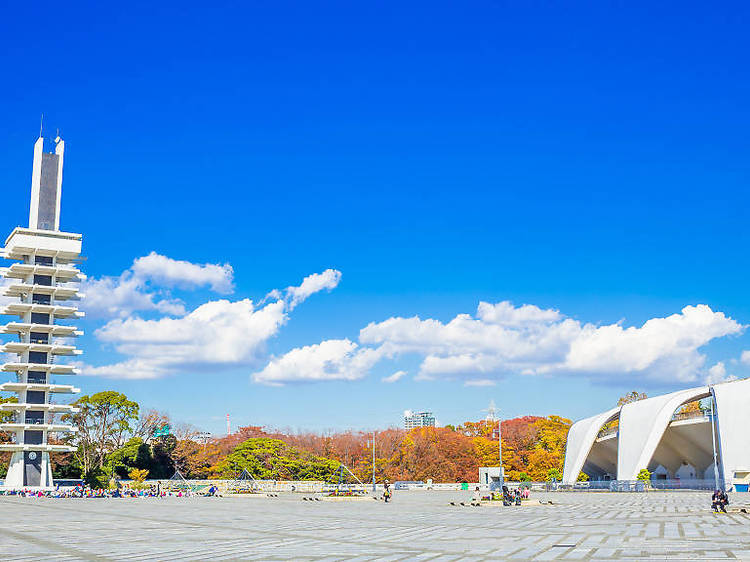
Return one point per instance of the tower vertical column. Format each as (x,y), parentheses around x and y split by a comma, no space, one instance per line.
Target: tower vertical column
(44,279)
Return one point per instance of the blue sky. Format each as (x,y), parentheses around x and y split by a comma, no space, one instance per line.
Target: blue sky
(585,158)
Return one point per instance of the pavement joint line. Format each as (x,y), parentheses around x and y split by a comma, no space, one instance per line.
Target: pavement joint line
(53,546)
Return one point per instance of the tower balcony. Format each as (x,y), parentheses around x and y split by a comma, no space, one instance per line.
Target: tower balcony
(15,426)
(54,330)
(62,246)
(52,408)
(54,349)
(55,388)
(21,308)
(52,368)
(15,447)
(63,273)
(55,292)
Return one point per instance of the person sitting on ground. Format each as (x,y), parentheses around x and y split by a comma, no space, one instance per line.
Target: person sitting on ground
(719,500)
(507,497)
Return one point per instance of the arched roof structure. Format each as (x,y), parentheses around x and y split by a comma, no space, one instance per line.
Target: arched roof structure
(643,429)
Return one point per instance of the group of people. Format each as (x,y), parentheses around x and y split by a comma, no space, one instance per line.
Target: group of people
(82,491)
(509,497)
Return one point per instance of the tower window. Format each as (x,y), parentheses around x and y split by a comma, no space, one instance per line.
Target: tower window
(39,337)
(43,280)
(37,357)
(41,299)
(32,437)
(37,377)
(35,397)
(34,417)
(39,318)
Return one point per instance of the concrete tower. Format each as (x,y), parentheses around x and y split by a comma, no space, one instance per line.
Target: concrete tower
(43,279)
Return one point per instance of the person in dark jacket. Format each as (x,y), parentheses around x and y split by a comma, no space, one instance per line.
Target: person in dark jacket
(386,491)
(719,501)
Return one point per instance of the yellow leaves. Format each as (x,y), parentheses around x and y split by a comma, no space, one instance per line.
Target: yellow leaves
(553,434)
(138,475)
(486,451)
(691,408)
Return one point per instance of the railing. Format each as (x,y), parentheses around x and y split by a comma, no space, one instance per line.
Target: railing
(608,431)
(639,485)
(678,416)
(691,416)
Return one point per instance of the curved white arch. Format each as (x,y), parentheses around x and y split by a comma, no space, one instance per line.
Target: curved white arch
(642,425)
(733,422)
(581,437)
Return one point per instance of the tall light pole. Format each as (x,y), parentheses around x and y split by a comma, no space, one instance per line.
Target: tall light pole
(500,442)
(373,460)
(492,417)
(713,441)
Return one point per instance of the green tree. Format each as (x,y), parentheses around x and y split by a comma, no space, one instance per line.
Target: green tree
(554,474)
(272,459)
(134,454)
(644,475)
(103,420)
(5,437)
(162,452)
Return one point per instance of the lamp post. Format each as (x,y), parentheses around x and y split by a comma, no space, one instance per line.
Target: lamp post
(373,461)
(713,441)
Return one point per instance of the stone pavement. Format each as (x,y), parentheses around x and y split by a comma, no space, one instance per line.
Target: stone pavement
(417,525)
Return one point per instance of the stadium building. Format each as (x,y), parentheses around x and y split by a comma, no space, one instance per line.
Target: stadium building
(710,444)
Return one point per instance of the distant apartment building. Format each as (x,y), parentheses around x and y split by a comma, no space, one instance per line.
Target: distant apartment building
(418,419)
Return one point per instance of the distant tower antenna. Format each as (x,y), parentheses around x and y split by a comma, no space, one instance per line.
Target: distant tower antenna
(491,412)
(41,125)
(229,427)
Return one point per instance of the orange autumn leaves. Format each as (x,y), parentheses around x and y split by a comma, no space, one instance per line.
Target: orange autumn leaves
(532,447)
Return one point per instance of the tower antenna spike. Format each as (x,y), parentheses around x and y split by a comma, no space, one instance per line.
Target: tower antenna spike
(41,125)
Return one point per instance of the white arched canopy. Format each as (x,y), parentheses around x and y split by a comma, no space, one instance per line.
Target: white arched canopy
(650,437)
(642,425)
(733,424)
(581,437)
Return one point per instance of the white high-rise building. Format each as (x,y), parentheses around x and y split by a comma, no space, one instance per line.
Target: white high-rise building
(418,419)
(43,279)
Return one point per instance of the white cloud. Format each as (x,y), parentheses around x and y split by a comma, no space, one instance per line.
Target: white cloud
(326,361)
(141,287)
(503,339)
(4,284)
(480,382)
(311,284)
(504,313)
(217,334)
(121,296)
(167,272)
(745,357)
(394,377)
(718,373)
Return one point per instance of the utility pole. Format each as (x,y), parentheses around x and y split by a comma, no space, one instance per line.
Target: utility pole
(373,460)
(713,441)
(492,417)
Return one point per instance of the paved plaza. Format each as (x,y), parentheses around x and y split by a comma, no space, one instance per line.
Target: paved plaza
(416,525)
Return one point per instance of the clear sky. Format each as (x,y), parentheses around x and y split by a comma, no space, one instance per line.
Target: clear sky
(412,160)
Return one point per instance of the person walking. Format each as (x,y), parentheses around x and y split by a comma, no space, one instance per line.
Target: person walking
(386,491)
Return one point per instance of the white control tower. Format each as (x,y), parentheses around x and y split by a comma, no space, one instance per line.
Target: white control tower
(44,280)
